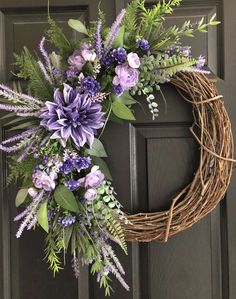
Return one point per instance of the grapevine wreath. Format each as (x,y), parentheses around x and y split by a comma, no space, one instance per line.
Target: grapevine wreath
(72,95)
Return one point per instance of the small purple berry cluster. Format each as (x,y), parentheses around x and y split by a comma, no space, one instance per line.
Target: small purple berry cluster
(65,221)
(72,184)
(143,44)
(75,164)
(91,85)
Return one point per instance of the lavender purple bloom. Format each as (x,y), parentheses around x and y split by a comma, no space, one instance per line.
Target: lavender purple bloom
(143,44)
(72,115)
(90,85)
(119,55)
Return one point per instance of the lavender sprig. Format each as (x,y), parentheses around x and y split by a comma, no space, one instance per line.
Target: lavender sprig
(45,53)
(113,32)
(21,136)
(17,97)
(98,40)
(44,71)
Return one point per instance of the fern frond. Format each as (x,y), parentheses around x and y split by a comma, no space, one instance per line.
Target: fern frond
(30,70)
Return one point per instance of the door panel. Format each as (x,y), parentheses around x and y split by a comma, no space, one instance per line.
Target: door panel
(149,161)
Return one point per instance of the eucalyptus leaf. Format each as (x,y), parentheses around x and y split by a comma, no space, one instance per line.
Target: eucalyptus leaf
(66,199)
(42,216)
(103,167)
(97,149)
(78,26)
(121,111)
(21,196)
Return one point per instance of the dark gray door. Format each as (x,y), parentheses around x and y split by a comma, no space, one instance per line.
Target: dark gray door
(150,162)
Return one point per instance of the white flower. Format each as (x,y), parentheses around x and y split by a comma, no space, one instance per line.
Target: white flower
(133,60)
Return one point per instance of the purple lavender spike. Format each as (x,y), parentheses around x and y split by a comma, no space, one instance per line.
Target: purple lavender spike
(44,141)
(119,277)
(76,266)
(11,149)
(44,71)
(26,151)
(20,136)
(15,108)
(98,40)
(27,114)
(9,92)
(114,31)
(22,214)
(44,52)
(115,259)
(32,223)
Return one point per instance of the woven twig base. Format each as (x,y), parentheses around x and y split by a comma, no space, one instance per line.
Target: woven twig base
(212,178)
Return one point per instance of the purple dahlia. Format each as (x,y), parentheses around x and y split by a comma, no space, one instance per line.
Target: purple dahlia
(72,115)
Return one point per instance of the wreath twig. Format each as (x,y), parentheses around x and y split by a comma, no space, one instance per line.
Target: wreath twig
(212,178)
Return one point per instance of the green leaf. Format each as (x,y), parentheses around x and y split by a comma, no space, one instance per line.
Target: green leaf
(103,167)
(42,216)
(97,149)
(23,125)
(121,111)
(21,196)
(78,26)
(125,99)
(120,38)
(66,199)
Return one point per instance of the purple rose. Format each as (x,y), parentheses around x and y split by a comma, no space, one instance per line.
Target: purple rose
(88,55)
(127,77)
(90,194)
(42,180)
(94,178)
(133,60)
(32,192)
(76,61)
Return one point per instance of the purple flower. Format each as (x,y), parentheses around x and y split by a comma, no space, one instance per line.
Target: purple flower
(90,194)
(201,62)
(186,51)
(67,167)
(143,45)
(76,61)
(81,163)
(107,61)
(66,220)
(72,184)
(133,60)
(91,85)
(70,73)
(42,180)
(126,77)
(119,55)
(72,115)
(88,55)
(118,90)
(94,178)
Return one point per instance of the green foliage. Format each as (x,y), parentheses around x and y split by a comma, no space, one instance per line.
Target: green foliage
(60,41)
(78,26)
(122,111)
(66,199)
(30,70)
(97,149)
(52,251)
(21,196)
(21,170)
(42,216)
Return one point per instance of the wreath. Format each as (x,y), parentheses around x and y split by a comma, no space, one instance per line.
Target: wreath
(72,95)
